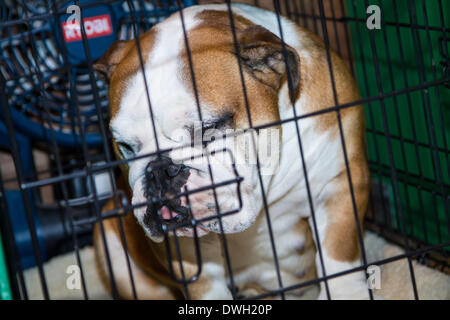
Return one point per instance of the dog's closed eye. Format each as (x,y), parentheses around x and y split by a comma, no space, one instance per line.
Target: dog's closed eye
(207,128)
(126,150)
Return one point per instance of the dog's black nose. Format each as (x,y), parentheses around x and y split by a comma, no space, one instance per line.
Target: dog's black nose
(173,170)
(164,177)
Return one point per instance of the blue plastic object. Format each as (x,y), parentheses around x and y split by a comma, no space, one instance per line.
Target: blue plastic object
(21,230)
(14,201)
(44,105)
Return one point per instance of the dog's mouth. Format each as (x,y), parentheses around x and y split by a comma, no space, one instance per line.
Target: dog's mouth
(173,215)
(166,216)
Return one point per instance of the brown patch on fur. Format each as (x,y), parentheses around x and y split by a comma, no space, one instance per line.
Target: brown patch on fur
(341,240)
(128,66)
(212,50)
(213,53)
(111,58)
(317,85)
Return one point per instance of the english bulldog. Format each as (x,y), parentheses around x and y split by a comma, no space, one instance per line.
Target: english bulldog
(196,78)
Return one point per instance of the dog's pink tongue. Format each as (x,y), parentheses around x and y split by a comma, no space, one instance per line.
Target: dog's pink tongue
(165,213)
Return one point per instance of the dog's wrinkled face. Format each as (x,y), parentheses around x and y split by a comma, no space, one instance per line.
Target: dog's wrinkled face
(173,120)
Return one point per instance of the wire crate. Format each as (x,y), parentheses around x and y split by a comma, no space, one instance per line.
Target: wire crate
(66,173)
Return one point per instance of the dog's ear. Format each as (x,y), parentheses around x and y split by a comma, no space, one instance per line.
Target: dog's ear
(262,53)
(111,58)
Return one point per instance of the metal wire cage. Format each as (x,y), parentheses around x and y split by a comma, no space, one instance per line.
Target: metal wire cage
(401,67)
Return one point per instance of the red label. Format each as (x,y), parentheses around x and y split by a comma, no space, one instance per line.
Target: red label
(97,26)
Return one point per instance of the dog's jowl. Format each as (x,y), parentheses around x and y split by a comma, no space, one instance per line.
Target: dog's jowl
(258,82)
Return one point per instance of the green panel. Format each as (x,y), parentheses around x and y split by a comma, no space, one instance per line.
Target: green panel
(5,291)
(407,57)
